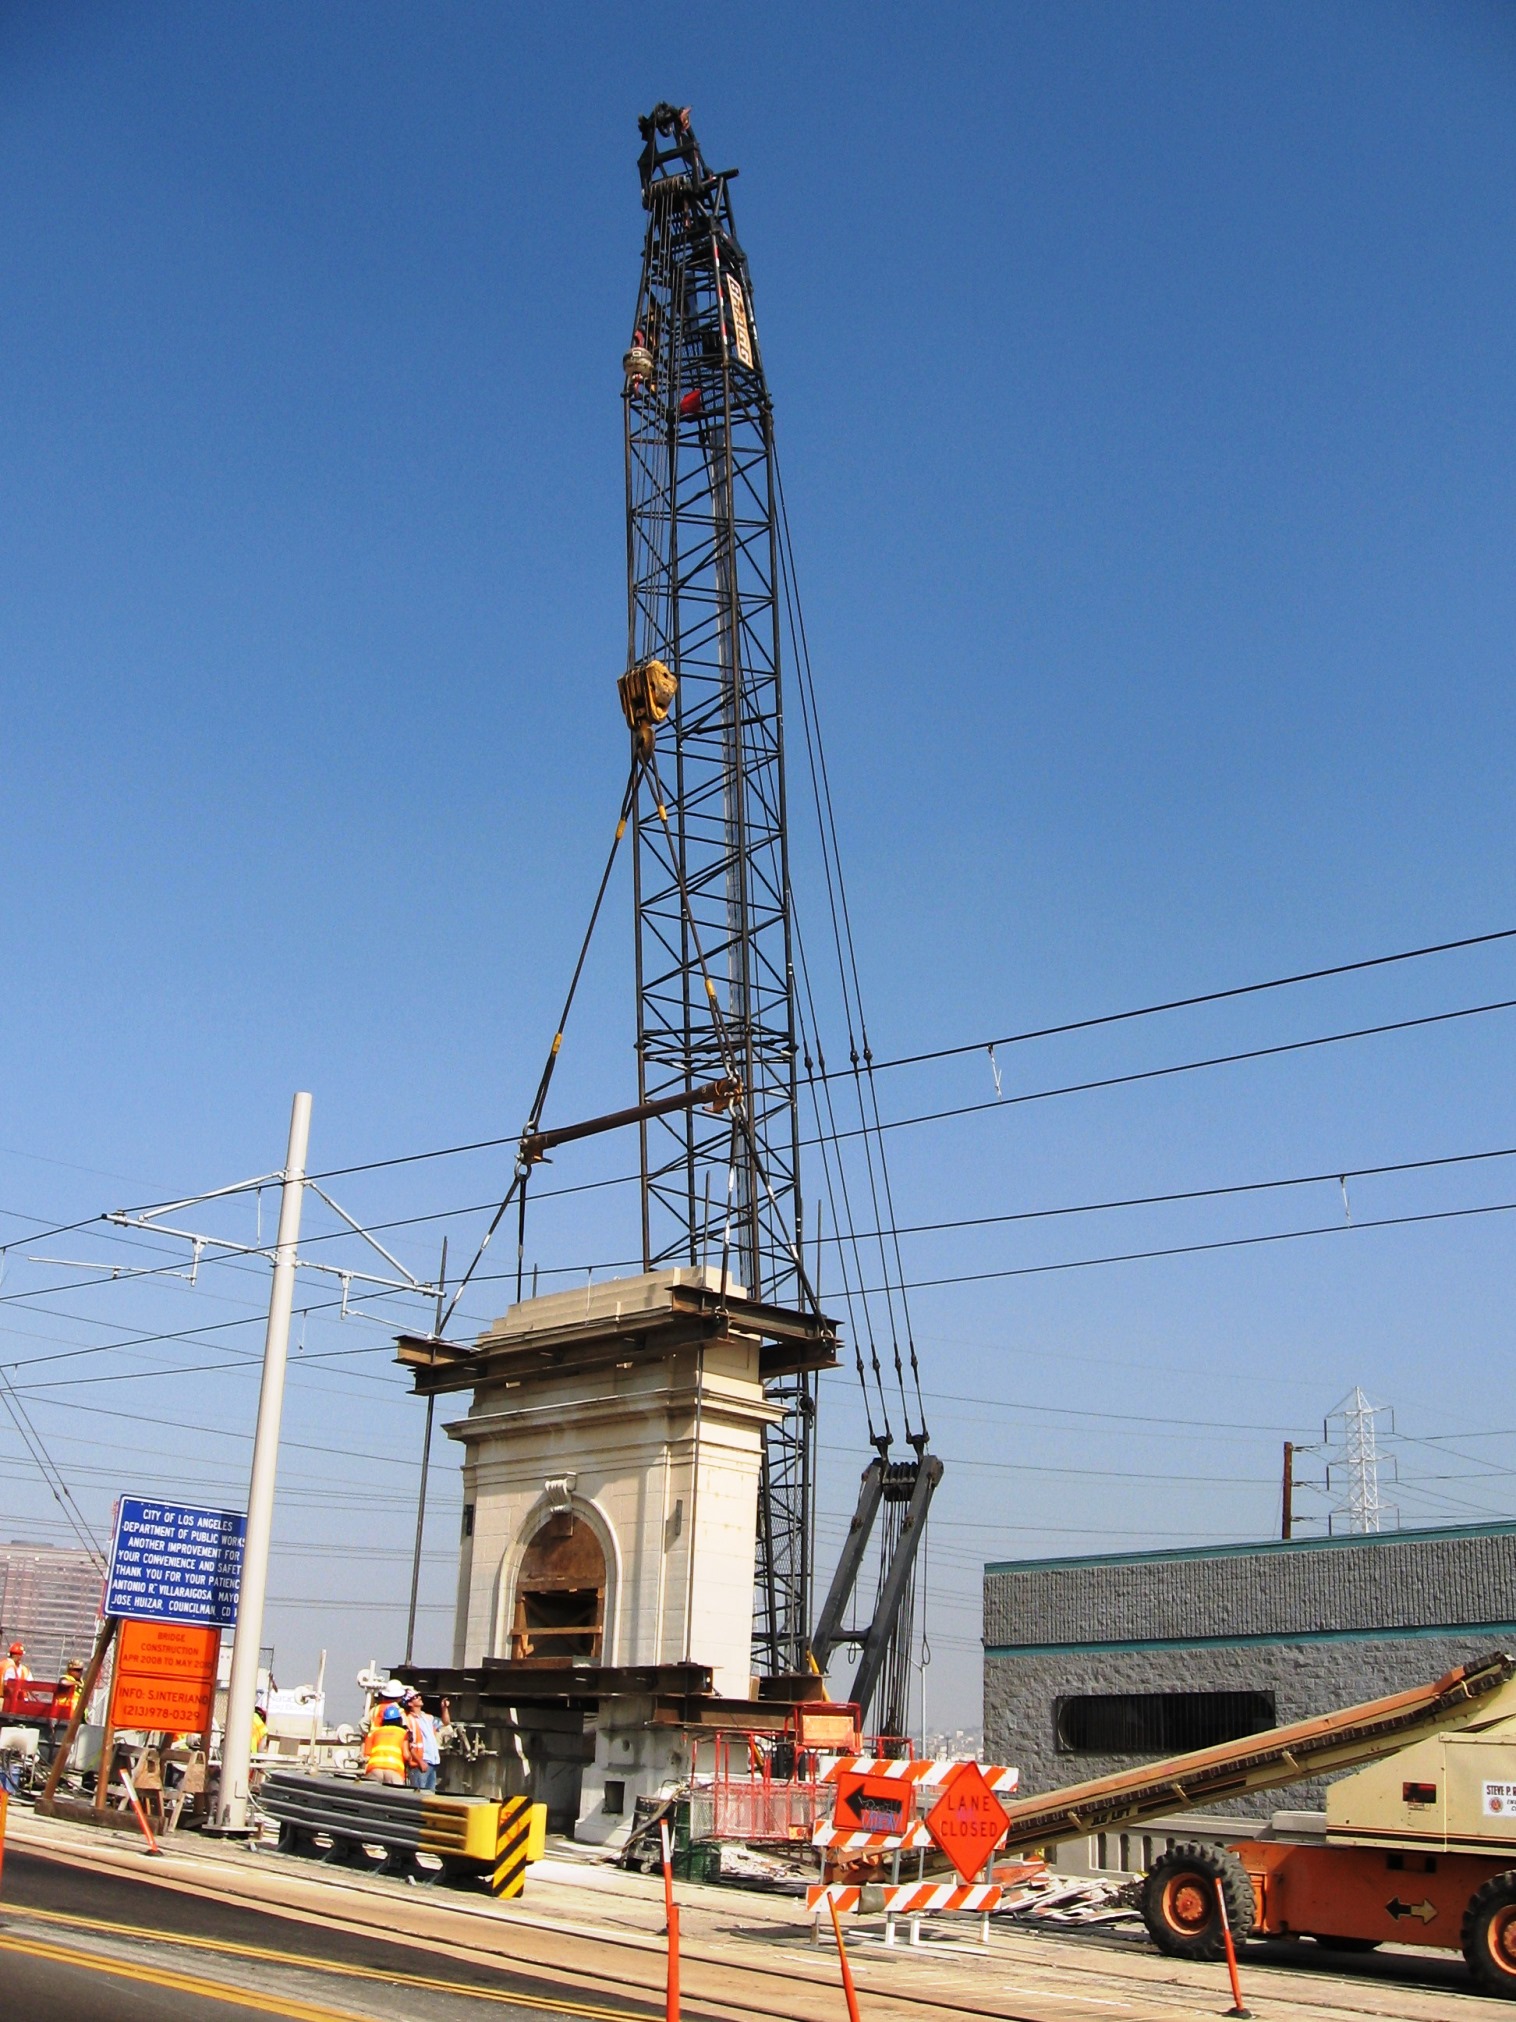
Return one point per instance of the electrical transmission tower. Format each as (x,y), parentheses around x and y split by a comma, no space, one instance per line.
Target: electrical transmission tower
(1354,1464)
(711,870)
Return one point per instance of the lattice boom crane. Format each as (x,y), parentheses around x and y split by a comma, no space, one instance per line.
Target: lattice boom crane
(715,945)
(703,570)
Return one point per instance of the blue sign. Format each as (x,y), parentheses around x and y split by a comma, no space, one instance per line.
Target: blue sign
(171,1563)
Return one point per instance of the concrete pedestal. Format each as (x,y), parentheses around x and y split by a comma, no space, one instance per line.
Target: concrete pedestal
(653,1441)
(613,1454)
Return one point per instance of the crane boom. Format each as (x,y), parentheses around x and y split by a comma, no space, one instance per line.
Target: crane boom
(716,988)
(711,881)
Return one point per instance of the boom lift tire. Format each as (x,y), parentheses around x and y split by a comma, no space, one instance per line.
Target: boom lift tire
(1179,1901)
(1489,1935)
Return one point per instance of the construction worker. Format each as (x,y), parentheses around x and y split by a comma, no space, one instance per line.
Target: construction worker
(423,1753)
(260,1727)
(385,1745)
(65,1699)
(15,1667)
(66,1692)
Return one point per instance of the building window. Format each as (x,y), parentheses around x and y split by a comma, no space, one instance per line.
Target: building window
(468,1519)
(1157,1723)
(615,1796)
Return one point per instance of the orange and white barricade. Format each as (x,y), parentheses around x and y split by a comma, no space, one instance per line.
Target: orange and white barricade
(926,1774)
(840,1839)
(911,1900)
(875,1790)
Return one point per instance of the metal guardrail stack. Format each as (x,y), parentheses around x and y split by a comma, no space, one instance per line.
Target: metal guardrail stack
(472,1836)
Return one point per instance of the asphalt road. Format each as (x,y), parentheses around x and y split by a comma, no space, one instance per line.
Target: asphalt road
(77,1945)
(96,1932)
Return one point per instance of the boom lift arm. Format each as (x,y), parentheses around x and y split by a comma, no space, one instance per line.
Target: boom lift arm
(1466,1697)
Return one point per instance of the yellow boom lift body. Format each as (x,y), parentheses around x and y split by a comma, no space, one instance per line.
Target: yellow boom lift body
(1417,1847)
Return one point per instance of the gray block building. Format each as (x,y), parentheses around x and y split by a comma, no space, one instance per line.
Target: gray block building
(1094,1664)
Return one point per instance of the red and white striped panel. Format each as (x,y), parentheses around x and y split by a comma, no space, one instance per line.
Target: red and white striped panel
(844,1894)
(910,1900)
(841,1839)
(927,1773)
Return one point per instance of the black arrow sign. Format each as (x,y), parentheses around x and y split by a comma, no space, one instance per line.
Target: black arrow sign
(1424,1911)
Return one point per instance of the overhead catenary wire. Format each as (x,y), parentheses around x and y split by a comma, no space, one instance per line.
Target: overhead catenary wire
(190,1336)
(1030,1270)
(1380,1030)
(1229,1190)
(1224,1243)
(1109,1424)
(1142,1256)
(1185,1194)
(960,1048)
(1414,1486)
(48,1231)
(1330,1175)
(48,1468)
(234,1359)
(247,1365)
(162,1423)
(1008,1102)
(1327,1175)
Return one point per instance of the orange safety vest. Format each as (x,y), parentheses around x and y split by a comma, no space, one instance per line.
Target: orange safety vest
(384,1747)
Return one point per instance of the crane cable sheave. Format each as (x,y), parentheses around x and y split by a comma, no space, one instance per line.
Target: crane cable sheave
(646,692)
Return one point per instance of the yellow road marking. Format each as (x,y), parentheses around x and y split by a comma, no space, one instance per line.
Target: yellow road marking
(272,1957)
(178,1983)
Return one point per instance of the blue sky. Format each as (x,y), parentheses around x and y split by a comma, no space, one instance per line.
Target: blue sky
(1145,402)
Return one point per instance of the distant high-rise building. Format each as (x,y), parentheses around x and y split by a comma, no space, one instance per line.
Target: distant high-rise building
(50,1601)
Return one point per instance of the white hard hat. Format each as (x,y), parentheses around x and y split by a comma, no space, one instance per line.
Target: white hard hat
(393,1690)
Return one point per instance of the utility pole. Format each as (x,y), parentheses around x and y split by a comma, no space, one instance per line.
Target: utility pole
(426,1461)
(247,1638)
(1287,1504)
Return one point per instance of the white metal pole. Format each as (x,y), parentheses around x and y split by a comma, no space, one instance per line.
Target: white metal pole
(247,1638)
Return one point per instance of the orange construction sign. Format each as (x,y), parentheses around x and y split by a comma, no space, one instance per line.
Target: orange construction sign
(968,1821)
(165,1677)
(873,1804)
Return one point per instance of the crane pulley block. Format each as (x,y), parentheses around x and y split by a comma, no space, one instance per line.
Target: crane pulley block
(647,692)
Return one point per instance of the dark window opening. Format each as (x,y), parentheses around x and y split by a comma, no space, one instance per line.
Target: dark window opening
(559,1607)
(615,1796)
(1158,1723)
(468,1519)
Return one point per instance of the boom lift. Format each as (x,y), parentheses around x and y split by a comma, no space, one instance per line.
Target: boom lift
(1418,1847)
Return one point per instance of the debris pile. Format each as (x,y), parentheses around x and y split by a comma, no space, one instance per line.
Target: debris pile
(770,1868)
(1040,1897)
